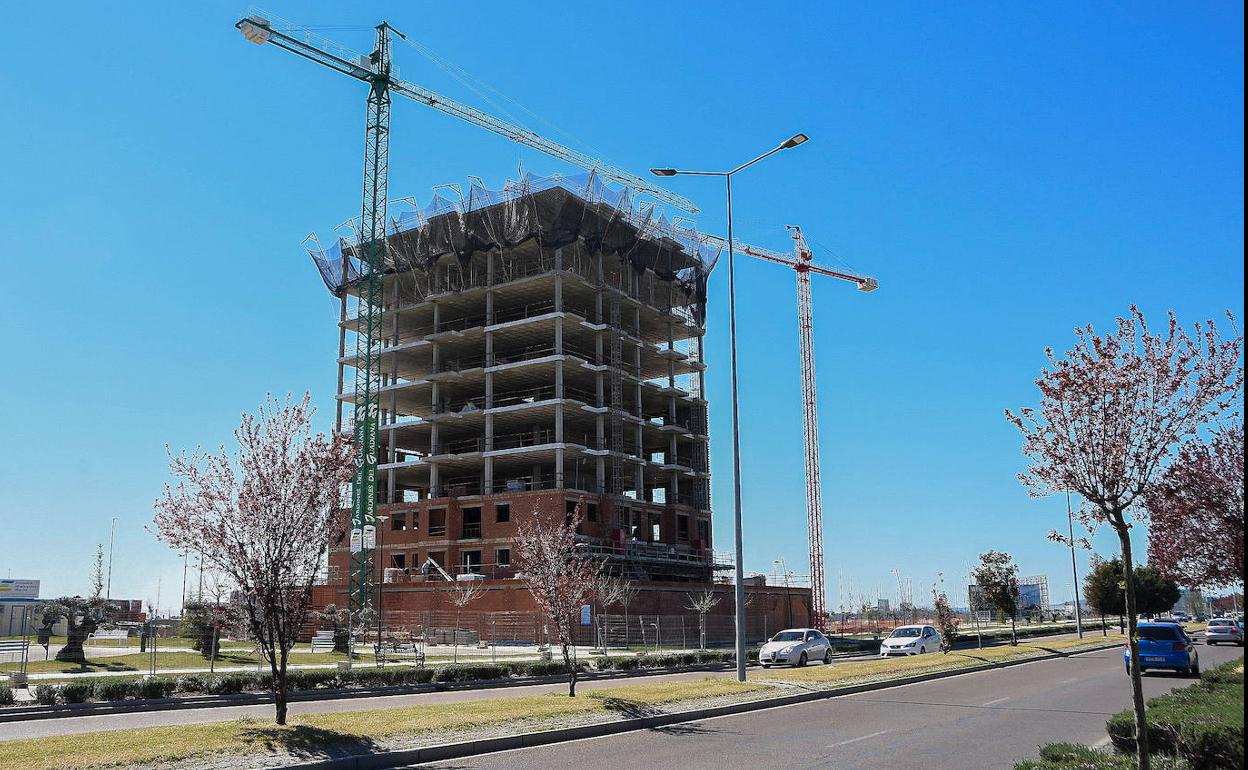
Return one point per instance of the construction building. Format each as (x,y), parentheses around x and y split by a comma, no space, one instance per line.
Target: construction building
(542,350)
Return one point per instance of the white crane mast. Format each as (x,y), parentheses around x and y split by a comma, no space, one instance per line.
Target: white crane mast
(801,263)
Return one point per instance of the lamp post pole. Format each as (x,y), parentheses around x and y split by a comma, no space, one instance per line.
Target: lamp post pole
(739,562)
(1074,570)
(112,536)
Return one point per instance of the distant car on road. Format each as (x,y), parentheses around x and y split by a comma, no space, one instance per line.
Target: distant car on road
(1224,630)
(797,647)
(1165,646)
(1181,617)
(910,640)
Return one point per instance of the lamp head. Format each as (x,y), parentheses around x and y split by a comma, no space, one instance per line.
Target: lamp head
(663,171)
(794,141)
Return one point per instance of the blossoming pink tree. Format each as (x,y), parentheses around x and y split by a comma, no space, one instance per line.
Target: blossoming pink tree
(1196,513)
(264,516)
(560,575)
(1112,411)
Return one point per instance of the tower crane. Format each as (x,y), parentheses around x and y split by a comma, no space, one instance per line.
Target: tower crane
(375,70)
(802,264)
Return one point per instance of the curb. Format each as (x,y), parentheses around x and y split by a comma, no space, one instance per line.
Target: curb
(437,753)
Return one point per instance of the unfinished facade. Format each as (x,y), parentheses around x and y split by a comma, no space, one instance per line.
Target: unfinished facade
(542,350)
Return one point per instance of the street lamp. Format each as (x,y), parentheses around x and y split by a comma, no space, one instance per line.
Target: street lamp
(1074,570)
(112,536)
(739,579)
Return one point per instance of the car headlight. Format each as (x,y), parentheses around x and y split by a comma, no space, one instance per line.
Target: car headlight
(911,644)
(789,649)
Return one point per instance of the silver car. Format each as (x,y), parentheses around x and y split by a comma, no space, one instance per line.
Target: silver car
(797,647)
(1224,630)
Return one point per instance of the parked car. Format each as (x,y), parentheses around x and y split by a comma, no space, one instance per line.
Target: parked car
(797,647)
(1165,646)
(910,640)
(1224,630)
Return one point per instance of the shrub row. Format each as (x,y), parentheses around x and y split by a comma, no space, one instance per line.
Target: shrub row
(114,689)
(1196,727)
(1071,756)
(6,695)
(663,660)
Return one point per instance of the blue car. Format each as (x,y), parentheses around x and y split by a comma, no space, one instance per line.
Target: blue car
(1165,646)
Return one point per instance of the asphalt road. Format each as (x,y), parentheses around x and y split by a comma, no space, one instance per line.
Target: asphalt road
(989,719)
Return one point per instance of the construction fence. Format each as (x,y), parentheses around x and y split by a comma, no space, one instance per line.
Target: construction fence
(591,629)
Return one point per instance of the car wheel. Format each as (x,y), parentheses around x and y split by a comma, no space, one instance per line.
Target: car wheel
(766,665)
(801,661)
(1194,670)
(827,657)
(922,650)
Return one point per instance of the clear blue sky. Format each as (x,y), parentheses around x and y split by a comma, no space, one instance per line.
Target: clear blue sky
(1007,172)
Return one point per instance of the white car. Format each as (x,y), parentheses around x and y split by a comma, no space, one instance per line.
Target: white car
(910,640)
(797,647)
(1224,630)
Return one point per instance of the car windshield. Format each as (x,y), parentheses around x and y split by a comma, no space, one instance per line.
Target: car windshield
(788,636)
(1157,633)
(905,633)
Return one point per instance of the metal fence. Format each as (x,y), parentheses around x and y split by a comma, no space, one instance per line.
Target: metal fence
(643,631)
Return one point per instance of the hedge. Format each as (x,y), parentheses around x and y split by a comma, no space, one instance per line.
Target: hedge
(110,689)
(6,695)
(1203,724)
(1070,756)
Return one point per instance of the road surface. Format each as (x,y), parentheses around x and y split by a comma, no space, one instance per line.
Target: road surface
(989,719)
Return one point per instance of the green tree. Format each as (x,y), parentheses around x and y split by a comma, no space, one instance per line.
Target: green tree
(997,580)
(1105,589)
(1157,594)
(1102,588)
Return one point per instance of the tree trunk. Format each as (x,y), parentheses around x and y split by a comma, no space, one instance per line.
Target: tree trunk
(277,665)
(567,662)
(1133,644)
(71,651)
(1013,632)
(75,635)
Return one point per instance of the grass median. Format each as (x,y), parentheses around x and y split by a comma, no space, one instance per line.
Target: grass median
(349,732)
(320,735)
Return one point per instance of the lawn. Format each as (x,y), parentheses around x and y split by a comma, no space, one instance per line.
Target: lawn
(356,730)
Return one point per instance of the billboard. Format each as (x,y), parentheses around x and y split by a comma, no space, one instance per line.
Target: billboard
(18,590)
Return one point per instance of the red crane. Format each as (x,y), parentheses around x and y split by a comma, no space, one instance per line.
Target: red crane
(801,263)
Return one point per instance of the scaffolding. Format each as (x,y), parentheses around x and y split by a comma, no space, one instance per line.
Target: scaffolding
(543,336)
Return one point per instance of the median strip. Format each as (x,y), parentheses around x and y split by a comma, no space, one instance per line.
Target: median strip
(370,738)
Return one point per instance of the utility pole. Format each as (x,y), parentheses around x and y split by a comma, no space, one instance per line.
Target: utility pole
(112,536)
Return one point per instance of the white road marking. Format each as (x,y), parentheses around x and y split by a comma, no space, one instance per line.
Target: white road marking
(859,738)
(1069,681)
(995,702)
